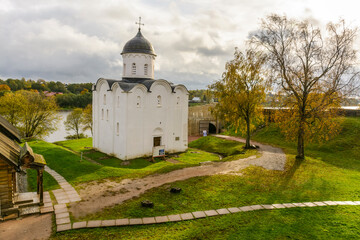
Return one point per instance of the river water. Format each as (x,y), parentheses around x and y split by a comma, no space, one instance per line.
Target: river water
(61,133)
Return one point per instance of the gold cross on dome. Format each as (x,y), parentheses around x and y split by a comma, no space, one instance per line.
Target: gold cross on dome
(139,23)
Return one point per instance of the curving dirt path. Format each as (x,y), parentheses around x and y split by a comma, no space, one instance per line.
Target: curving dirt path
(272,158)
(97,196)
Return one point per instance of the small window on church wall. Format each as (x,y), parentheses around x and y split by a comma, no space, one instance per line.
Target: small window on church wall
(138,101)
(145,69)
(133,70)
(159,100)
(178,100)
(104,99)
(107,115)
(124,69)
(102,114)
(117,128)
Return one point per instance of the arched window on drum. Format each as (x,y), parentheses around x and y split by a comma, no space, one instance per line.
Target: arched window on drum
(146,69)
(133,69)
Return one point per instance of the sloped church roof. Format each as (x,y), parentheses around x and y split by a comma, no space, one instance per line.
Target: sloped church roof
(126,84)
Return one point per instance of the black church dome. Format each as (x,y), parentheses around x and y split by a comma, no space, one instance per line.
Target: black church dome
(138,44)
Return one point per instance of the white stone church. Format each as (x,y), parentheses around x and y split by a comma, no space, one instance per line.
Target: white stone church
(137,113)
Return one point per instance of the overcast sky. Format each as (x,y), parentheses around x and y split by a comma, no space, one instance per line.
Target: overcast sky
(81,40)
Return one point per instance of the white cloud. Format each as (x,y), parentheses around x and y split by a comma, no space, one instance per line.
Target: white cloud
(80,41)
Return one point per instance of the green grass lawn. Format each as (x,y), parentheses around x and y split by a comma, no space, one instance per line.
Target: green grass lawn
(231,150)
(340,222)
(75,171)
(313,180)
(329,172)
(218,145)
(342,151)
(77,145)
(84,145)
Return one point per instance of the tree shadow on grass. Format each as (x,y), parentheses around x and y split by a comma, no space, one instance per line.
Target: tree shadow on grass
(290,172)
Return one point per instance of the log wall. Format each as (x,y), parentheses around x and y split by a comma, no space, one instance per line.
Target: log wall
(6,185)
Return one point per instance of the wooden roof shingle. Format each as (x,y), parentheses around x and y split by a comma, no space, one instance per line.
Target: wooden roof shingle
(9,150)
(9,130)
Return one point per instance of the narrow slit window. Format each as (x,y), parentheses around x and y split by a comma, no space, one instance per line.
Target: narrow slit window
(145,69)
(102,114)
(124,69)
(159,100)
(104,99)
(107,115)
(133,69)
(138,101)
(117,128)
(178,100)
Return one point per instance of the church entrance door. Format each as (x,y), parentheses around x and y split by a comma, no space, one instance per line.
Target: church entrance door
(157,141)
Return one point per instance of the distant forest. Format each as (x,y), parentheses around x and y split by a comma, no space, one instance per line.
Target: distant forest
(70,95)
(79,95)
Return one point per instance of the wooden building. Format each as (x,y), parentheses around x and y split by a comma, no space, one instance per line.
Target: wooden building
(14,160)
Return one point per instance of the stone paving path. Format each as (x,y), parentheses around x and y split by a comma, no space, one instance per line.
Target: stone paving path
(189,215)
(66,194)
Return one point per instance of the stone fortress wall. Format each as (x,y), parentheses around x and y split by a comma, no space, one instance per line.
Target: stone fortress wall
(200,118)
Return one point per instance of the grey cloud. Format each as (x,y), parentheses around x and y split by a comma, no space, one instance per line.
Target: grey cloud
(215,51)
(190,80)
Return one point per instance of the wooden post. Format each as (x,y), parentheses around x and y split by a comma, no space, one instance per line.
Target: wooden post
(38,181)
(14,181)
(41,186)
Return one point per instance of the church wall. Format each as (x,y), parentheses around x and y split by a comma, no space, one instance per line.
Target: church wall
(167,120)
(162,118)
(143,121)
(95,114)
(119,122)
(180,138)
(126,123)
(105,123)
(135,122)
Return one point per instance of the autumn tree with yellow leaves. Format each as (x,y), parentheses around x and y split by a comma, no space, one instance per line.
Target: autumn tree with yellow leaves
(314,71)
(241,91)
(32,113)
